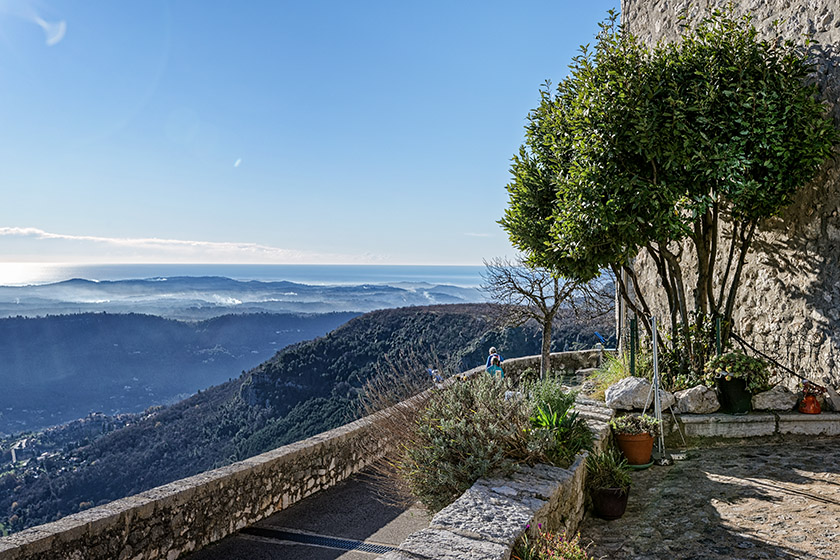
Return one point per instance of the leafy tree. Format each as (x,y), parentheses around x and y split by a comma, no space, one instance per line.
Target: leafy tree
(528,293)
(680,150)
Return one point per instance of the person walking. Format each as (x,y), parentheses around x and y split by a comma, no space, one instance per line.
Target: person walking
(496,367)
(493,353)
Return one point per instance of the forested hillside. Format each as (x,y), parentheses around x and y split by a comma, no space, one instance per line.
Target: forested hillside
(62,367)
(305,389)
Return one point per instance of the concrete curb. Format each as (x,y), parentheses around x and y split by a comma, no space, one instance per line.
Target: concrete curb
(758,424)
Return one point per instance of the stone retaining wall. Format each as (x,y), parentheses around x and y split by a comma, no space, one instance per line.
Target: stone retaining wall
(171,520)
(697,427)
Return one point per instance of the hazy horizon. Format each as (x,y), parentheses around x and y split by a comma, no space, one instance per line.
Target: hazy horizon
(32,274)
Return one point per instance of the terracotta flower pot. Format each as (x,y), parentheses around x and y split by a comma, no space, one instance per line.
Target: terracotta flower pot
(637,448)
(809,405)
(610,503)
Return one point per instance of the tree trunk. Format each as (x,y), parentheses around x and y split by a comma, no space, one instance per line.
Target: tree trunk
(545,356)
(746,242)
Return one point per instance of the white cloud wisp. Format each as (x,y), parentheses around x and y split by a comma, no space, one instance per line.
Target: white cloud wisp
(87,248)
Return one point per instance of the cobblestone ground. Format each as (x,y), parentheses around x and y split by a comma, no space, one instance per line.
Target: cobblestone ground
(747,502)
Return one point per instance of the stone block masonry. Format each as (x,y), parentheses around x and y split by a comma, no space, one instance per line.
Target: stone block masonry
(560,362)
(171,520)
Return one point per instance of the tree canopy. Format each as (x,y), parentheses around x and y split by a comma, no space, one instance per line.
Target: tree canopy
(677,149)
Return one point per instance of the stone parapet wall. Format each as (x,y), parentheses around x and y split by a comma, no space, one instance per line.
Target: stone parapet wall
(789,301)
(171,520)
(488,519)
(561,363)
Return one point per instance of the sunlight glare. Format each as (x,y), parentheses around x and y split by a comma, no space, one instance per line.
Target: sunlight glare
(21,274)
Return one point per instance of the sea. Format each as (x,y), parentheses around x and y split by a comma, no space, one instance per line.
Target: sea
(24,274)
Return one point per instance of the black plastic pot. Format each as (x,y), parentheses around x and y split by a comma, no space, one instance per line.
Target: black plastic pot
(610,503)
(733,394)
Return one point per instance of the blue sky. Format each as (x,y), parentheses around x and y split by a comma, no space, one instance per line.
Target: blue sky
(269,132)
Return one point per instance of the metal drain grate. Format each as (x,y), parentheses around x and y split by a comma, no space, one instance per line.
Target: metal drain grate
(330,542)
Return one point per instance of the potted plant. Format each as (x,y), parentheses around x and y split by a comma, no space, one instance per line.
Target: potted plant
(809,403)
(608,480)
(634,435)
(737,377)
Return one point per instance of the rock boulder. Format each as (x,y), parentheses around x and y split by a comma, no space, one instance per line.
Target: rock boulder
(777,398)
(631,393)
(697,400)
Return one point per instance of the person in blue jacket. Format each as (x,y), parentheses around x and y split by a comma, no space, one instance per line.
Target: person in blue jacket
(493,354)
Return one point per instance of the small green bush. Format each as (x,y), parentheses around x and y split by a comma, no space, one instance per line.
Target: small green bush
(738,365)
(551,393)
(469,430)
(550,546)
(569,433)
(634,424)
(607,469)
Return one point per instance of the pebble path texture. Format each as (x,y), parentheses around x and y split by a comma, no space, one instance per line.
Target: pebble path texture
(769,501)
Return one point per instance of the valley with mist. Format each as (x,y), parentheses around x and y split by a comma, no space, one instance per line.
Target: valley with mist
(62,367)
(205,297)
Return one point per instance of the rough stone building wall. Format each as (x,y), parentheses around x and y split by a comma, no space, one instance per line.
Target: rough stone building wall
(789,299)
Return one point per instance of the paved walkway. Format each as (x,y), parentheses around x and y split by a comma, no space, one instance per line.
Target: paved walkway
(775,501)
(347,522)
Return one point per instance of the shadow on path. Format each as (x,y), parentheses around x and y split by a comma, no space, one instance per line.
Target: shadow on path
(351,510)
(776,501)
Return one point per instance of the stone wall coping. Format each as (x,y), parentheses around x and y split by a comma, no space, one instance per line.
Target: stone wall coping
(800,417)
(722,418)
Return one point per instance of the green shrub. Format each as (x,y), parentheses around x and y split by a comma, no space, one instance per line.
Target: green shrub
(469,430)
(554,422)
(460,436)
(607,469)
(570,434)
(634,424)
(551,393)
(738,365)
(549,546)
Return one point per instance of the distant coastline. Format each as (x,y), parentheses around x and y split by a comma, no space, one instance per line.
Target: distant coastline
(315,275)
